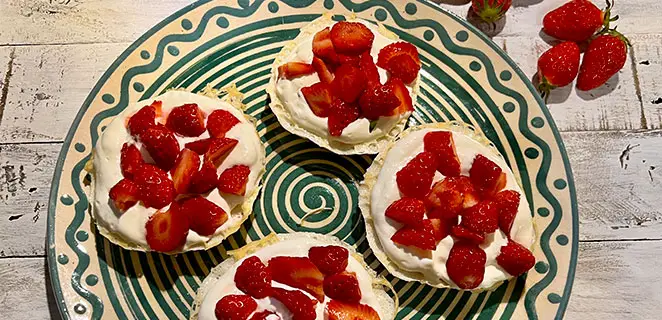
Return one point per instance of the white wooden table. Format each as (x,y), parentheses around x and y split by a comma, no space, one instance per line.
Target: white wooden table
(53,51)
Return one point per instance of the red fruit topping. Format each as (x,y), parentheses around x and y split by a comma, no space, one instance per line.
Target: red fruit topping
(233,180)
(349,59)
(338,310)
(235,307)
(507,203)
(263,315)
(323,47)
(351,38)
(124,194)
(481,218)
(449,196)
(187,120)
(220,122)
(605,56)
(557,67)
(318,96)
(515,259)
(442,227)
(441,143)
(185,167)
(166,230)
(219,148)
(341,115)
(396,49)
(161,144)
(298,272)
(400,91)
(421,237)
(415,178)
(199,146)
(378,101)
(130,159)
(204,180)
(301,307)
(401,60)
(367,65)
(253,278)
(292,70)
(466,265)
(204,216)
(329,259)
(143,119)
(343,287)
(408,211)
(156,189)
(490,10)
(576,20)
(463,233)
(486,176)
(322,70)
(349,82)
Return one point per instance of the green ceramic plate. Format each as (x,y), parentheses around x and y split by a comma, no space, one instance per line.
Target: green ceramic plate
(466,77)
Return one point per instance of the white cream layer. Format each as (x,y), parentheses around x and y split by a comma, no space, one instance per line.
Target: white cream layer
(385,192)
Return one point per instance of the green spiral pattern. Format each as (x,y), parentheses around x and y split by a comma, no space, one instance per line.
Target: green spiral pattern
(236,43)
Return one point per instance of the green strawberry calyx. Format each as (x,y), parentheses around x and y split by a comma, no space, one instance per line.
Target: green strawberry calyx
(489,13)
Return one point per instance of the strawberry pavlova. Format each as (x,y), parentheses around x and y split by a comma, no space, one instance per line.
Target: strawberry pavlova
(174,173)
(301,276)
(348,86)
(442,207)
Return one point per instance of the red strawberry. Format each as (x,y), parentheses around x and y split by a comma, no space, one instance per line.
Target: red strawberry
(507,203)
(318,96)
(486,176)
(557,67)
(481,218)
(441,143)
(576,20)
(604,57)
(293,70)
(124,194)
(143,119)
(338,310)
(349,59)
(442,227)
(161,144)
(187,120)
(264,315)
(463,233)
(449,196)
(466,265)
(400,91)
(220,122)
(341,115)
(298,272)
(351,38)
(253,278)
(156,189)
(323,47)
(329,259)
(199,146)
(204,216)
(130,159)
(378,101)
(301,307)
(401,60)
(349,82)
(235,307)
(367,65)
(515,259)
(204,180)
(233,180)
(185,167)
(322,70)
(490,10)
(166,230)
(415,178)
(408,211)
(420,237)
(343,287)
(219,149)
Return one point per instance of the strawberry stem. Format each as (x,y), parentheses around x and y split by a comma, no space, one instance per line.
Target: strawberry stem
(544,88)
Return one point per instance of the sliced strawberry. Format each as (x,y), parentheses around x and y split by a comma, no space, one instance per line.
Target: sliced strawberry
(515,259)
(185,167)
(367,65)
(466,265)
(204,216)
(156,189)
(415,178)
(235,307)
(301,307)
(130,159)
(408,211)
(449,196)
(329,259)
(343,287)
(338,310)
(293,70)
(421,237)
(341,115)
(253,278)
(463,233)
(161,144)
(378,101)
(487,176)
(481,218)
(166,230)
(219,122)
(298,272)
(318,96)
(187,120)
(233,180)
(219,149)
(442,227)
(441,143)
(507,203)
(353,60)
(351,38)
(124,194)
(404,68)
(143,119)
(264,315)
(199,146)
(400,91)
(323,47)
(349,82)
(322,70)
(204,180)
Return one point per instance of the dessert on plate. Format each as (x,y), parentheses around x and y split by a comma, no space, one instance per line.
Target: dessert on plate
(175,173)
(299,276)
(348,86)
(442,207)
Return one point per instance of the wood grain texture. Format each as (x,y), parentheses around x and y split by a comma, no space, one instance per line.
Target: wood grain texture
(647,59)
(25,290)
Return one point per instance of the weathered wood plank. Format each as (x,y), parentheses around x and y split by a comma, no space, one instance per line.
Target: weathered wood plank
(647,52)
(25,290)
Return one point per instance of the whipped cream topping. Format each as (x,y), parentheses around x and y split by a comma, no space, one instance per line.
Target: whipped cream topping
(130,225)
(289,92)
(433,268)
(291,248)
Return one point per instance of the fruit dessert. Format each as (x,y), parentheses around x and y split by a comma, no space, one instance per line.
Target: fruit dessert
(300,276)
(348,86)
(442,207)
(175,173)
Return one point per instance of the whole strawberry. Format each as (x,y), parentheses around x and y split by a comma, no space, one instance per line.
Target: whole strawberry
(490,10)
(577,20)
(557,67)
(604,57)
